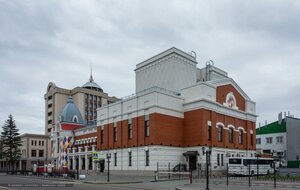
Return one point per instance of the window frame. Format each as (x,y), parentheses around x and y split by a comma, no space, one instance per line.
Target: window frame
(147,125)
(130,158)
(241,136)
(220,133)
(231,135)
(147,158)
(129,126)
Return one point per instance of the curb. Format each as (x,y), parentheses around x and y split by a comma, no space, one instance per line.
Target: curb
(46,178)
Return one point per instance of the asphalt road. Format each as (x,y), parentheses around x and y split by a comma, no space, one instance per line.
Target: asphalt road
(289,171)
(20,182)
(36,183)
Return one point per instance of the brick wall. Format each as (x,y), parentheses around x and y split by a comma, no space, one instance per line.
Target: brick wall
(222,92)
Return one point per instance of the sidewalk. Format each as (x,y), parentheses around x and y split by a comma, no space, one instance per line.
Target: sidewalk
(116,179)
(97,179)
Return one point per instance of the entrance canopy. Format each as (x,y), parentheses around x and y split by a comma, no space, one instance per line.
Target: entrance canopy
(191,153)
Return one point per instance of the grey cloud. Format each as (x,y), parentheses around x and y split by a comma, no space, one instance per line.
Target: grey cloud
(42,41)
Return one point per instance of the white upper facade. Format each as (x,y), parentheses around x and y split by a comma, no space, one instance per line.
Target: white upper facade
(171,84)
(172,69)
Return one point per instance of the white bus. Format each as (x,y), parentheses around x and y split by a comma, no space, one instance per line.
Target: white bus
(258,166)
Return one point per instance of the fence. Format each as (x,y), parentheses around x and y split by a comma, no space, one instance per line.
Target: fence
(181,171)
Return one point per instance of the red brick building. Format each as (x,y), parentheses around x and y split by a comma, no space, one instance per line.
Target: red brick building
(178,109)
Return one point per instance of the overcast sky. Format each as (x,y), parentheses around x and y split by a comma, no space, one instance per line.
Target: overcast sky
(256,42)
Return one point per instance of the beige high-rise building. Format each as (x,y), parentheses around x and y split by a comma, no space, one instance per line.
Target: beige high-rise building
(87,98)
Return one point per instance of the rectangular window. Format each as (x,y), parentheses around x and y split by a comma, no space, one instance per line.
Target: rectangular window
(115,159)
(129,159)
(251,139)
(102,135)
(41,153)
(209,132)
(279,139)
(241,136)
(33,153)
(231,133)
(218,159)
(34,143)
(222,159)
(147,126)
(31,142)
(115,132)
(220,133)
(258,141)
(40,143)
(147,157)
(269,140)
(129,129)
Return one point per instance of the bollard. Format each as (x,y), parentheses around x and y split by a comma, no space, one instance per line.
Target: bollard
(227,174)
(191,178)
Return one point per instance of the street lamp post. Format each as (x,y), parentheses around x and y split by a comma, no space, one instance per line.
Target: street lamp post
(297,157)
(108,156)
(207,153)
(257,166)
(274,167)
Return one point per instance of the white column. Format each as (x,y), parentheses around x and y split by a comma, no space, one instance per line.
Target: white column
(93,165)
(93,148)
(86,162)
(73,151)
(74,163)
(79,149)
(69,163)
(79,162)
(20,165)
(86,148)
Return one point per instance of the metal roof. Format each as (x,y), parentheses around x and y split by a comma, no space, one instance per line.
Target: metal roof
(71,113)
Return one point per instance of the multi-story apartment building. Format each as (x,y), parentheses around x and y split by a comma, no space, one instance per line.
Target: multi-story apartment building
(281,140)
(35,149)
(177,111)
(88,98)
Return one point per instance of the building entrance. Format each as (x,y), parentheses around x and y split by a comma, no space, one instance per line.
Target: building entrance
(192,163)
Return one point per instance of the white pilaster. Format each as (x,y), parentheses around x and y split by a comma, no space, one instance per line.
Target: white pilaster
(74,163)
(20,165)
(86,162)
(69,163)
(93,165)
(80,162)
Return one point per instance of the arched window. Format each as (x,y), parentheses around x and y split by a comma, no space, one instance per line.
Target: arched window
(241,136)
(75,119)
(231,134)
(220,133)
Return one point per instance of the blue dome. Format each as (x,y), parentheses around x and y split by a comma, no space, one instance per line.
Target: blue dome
(71,113)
